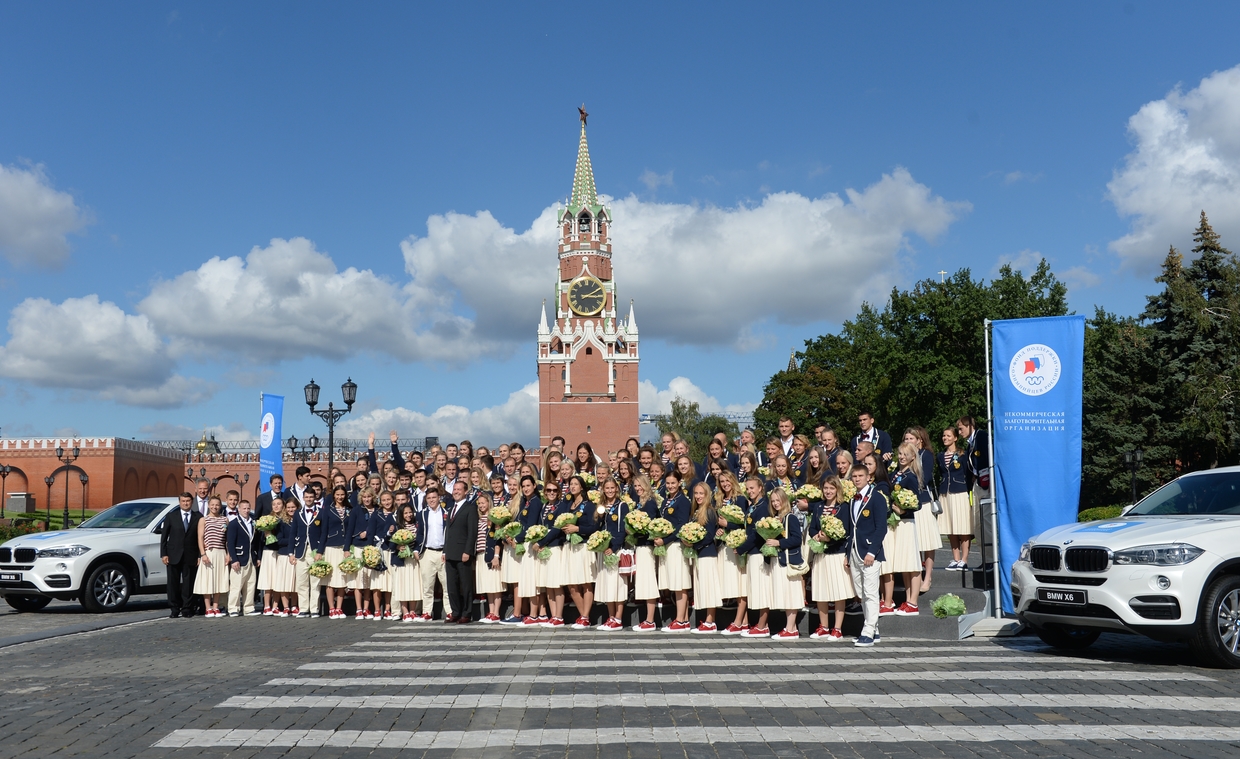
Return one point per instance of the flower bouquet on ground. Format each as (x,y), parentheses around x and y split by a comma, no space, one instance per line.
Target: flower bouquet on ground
(564,520)
(499,515)
(404,538)
(321,569)
(690,534)
(948,605)
(905,499)
(349,566)
(848,490)
(372,557)
(769,528)
(732,513)
(598,543)
(635,524)
(810,493)
(832,529)
(659,528)
(734,539)
(534,534)
(268,524)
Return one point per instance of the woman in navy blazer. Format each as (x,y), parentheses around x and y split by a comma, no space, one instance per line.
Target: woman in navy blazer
(610,586)
(284,578)
(929,538)
(578,564)
(781,474)
(830,582)
(646,581)
(359,537)
(551,573)
(382,525)
(674,572)
(731,565)
(331,538)
(787,592)
(957,518)
(757,569)
(707,585)
(528,511)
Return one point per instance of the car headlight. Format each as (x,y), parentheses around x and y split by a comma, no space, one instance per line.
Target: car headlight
(1165,555)
(62,552)
(1024,550)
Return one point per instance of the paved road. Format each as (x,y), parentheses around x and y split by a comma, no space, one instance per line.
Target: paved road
(63,617)
(297,688)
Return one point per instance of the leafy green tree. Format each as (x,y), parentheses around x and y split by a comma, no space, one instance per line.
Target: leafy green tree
(694,427)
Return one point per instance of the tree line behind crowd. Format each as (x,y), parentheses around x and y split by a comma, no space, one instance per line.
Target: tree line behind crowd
(1165,381)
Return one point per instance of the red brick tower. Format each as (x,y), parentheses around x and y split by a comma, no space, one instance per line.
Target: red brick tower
(587,358)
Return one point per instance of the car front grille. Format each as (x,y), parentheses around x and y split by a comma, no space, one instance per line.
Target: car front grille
(6,555)
(23,555)
(1092,582)
(1096,611)
(1086,559)
(1045,558)
(16,567)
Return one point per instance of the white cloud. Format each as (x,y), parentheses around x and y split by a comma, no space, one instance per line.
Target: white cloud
(514,420)
(169,431)
(1079,277)
(652,400)
(1186,160)
(654,181)
(1025,262)
(35,218)
(1012,177)
(288,300)
(699,274)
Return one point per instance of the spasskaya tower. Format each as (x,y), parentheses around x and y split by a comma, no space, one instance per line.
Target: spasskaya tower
(587,358)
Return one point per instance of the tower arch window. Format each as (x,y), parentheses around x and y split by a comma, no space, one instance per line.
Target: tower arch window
(589,351)
(583,223)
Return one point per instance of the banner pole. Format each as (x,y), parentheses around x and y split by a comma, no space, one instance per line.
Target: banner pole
(992,516)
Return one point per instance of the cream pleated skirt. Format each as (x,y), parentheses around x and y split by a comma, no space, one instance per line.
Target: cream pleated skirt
(732,580)
(707,583)
(486,579)
(609,585)
(829,580)
(928,537)
(958,514)
(551,571)
(406,582)
(337,579)
(580,565)
(283,575)
(674,571)
(384,582)
(758,574)
(510,566)
(213,579)
(527,581)
(647,574)
(900,548)
(264,570)
(786,592)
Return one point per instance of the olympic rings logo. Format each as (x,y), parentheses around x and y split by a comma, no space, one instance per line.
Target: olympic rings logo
(1034,380)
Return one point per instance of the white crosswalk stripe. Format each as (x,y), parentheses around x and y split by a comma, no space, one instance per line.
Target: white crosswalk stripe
(555,659)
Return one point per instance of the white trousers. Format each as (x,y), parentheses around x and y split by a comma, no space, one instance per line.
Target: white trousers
(307,585)
(865,580)
(241,585)
(431,565)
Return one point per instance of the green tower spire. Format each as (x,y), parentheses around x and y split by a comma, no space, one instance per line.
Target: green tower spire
(584,194)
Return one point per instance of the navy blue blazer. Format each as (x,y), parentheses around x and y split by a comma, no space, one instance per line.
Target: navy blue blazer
(978,455)
(790,543)
(883,445)
(242,545)
(423,521)
(818,510)
(676,511)
(927,473)
(709,545)
(299,535)
(612,520)
(381,528)
(867,532)
(908,481)
(556,537)
(331,529)
(359,523)
(753,541)
(953,474)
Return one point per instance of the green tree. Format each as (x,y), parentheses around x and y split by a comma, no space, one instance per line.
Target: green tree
(694,427)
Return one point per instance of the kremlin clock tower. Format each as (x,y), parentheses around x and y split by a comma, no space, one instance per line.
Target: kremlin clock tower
(587,358)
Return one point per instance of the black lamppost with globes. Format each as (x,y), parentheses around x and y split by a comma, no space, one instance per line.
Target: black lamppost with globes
(67,458)
(1133,459)
(307,446)
(4,476)
(331,414)
(48,480)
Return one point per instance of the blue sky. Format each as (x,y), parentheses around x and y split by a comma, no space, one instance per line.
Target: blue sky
(199,203)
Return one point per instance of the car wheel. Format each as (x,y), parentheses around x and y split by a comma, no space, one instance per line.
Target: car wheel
(107,588)
(1071,638)
(27,603)
(1216,638)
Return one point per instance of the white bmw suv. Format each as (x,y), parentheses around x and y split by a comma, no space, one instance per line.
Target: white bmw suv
(102,563)
(1169,569)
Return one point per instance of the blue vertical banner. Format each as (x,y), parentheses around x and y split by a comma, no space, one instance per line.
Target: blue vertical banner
(1038,383)
(270,444)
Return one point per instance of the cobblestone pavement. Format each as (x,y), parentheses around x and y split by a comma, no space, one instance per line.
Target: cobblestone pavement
(298,688)
(63,617)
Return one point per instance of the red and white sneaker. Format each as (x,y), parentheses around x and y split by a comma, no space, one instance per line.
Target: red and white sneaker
(821,632)
(555,622)
(706,628)
(279,613)
(886,610)
(267,612)
(544,621)
(757,632)
(424,618)
(489,619)
(646,627)
(582,623)
(366,614)
(678,627)
(906,609)
(735,629)
(360,614)
(835,635)
(786,635)
(613,625)
(294,611)
(531,622)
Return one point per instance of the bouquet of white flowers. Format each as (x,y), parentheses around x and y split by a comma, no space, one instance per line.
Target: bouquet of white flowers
(689,534)
(659,528)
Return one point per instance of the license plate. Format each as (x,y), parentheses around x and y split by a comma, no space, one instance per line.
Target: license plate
(10,577)
(1067,597)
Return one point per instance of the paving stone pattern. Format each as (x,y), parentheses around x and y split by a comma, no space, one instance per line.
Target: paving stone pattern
(271,687)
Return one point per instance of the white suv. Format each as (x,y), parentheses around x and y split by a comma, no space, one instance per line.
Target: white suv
(1169,569)
(102,562)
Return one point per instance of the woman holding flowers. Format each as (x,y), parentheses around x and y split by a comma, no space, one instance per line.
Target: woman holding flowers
(359,536)
(798,463)
(382,526)
(610,586)
(674,573)
(330,534)
(284,574)
(548,554)
(488,579)
(406,577)
(211,581)
(956,521)
(529,508)
(576,517)
(757,570)
(905,557)
(646,582)
(731,506)
(830,581)
(267,556)
(787,591)
(929,539)
(707,587)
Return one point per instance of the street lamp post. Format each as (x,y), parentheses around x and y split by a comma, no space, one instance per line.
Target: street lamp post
(48,480)
(307,446)
(242,481)
(67,458)
(331,415)
(1132,459)
(4,476)
(84,479)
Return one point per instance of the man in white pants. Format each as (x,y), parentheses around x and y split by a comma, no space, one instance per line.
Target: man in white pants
(308,586)
(432,530)
(865,519)
(242,562)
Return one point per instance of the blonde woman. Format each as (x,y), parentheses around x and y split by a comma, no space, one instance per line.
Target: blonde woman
(906,558)
(211,581)
(830,580)
(611,587)
(267,562)
(284,574)
(707,586)
(929,539)
(646,584)
(787,592)
(488,579)
(733,581)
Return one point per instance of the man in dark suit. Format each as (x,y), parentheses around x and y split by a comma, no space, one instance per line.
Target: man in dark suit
(976,454)
(878,438)
(865,520)
(178,548)
(262,504)
(460,539)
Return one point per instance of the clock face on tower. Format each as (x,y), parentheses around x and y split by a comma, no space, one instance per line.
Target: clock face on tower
(586,296)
